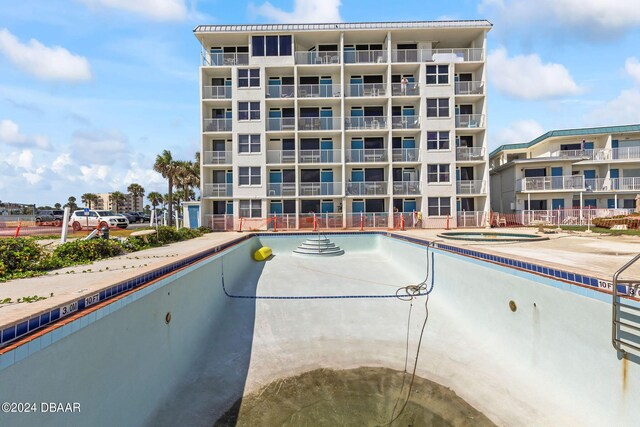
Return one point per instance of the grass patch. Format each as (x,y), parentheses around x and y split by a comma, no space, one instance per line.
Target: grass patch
(601,230)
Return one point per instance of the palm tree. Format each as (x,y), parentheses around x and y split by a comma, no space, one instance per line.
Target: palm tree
(166,166)
(57,206)
(117,198)
(136,191)
(89,198)
(155,198)
(186,177)
(71,202)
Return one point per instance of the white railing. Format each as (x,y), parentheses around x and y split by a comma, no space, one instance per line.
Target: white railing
(319,123)
(219,222)
(366,89)
(217,125)
(281,123)
(406,187)
(368,220)
(612,184)
(546,183)
(409,89)
(320,188)
(319,156)
(317,57)
(371,122)
(469,88)
(366,155)
(321,220)
(561,217)
(226,59)
(437,55)
(405,122)
(405,154)
(216,157)
(281,91)
(216,92)
(218,190)
(587,154)
(281,156)
(469,120)
(477,186)
(365,56)
(472,219)
(283,221)
(281,189)
(625,153)
(370,188)
(469,153)
(318,91)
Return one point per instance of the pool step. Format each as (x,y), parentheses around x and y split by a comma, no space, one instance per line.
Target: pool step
(318,246)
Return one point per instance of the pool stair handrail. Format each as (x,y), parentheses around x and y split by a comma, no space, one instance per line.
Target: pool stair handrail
(625,315)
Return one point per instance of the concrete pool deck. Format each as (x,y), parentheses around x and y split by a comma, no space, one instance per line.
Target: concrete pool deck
(591,254)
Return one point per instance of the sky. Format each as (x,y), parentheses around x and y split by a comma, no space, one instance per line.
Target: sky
(92,90)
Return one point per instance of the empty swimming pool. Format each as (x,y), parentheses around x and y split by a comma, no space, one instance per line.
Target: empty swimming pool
(520,348)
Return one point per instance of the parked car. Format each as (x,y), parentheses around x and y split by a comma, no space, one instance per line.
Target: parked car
(109,219)
(54,217)
(145,217)
(130,217)
(137,217)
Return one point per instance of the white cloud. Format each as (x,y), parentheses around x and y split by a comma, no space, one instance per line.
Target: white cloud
(516,132)
(61,162)
(45,63)
(632,67)
(527,77)
(94,173)
(623,109)
(157,10)
(10,134)
(303,11)
(100,147)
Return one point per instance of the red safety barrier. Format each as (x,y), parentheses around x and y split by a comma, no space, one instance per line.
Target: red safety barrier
(18,229)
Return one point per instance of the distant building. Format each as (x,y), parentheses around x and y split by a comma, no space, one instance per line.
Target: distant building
(104,203)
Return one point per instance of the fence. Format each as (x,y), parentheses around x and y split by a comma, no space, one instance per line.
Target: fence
(557,217)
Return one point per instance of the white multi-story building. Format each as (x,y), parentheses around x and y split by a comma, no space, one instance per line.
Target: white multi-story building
(104,202)
(342,119)
(564,169)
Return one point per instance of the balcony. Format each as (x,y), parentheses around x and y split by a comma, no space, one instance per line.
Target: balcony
(367,188)
(226,59)
(317,58)
(469,154)
(217,125)
(471,187)
(469,88)
(366,89)
(612,184)
(406,188)
(365,56)
(366,155)
(625,153)
(550,183)
(575,154)
(409,89)
(216,92)
(405,122)
(281,156)
(281,124)
(364,123)
(437,55)
(281,189)
(319,156)
(216,158)
(318,91)
(218,190)
(320,188)
(319,123)
(405,154)
(469,121)
(281,91)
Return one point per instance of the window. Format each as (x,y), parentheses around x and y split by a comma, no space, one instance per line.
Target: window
(248,143)
(438,206)
(250,208)
(248,111)
(249,176)
(249,77)
(437,74)
(438,140)
(438,173)
(271,45)
(437,107)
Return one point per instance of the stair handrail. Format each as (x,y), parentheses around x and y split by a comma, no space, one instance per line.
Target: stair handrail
(617,344)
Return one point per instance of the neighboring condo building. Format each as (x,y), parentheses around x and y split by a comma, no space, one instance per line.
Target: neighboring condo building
(564,169)
(104,203)
(342,119)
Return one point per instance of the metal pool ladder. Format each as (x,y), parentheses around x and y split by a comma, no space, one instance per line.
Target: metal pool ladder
(626,317)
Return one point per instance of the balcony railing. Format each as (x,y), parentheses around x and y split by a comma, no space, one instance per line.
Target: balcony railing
(367,188)
(225,59)
(437,55)
(281,91)
(469,154)
(281,123)
(625,153)
(471,187)
(216,92)
(320,220)
(371,122)
(217,125)
(469,120)
(405,122)
(366,89)
(548,183)
(317,57)
(318,91)
(408,188)
(365,56)
(366,155)
(612,184)
(472,219)
(221,222)
(405,154)
(367,220)
(578,154)
(469,88)
(319,156)
(319,123)
(409,89)
(216,157)
(281,156)
(320,188)
(281,189)
(218,190)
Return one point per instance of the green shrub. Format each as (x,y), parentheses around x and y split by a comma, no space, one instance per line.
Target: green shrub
(205,230)
(20,254)
(3,270)
(87,250)
(133,244)
(168,234)
(189,233)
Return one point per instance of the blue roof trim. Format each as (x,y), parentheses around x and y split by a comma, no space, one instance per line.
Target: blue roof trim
(568,132)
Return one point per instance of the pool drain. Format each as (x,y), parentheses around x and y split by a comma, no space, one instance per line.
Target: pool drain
(167,318)
(512,305)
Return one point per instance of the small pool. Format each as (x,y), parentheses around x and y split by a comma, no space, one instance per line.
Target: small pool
(481,236)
